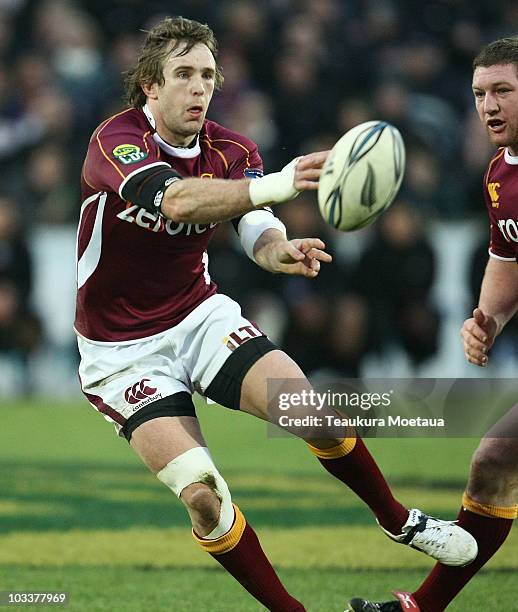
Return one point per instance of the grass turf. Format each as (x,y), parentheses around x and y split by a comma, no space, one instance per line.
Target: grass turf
(79,513)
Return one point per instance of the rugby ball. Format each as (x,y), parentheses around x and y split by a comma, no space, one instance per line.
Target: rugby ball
(362,175)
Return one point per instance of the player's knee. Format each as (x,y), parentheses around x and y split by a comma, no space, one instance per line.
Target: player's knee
(203,505)
(194,478)
(493,468)
(489,461)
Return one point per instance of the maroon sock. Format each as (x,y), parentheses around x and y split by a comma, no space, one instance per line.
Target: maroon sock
(359,472)
(249,566)
(443,583)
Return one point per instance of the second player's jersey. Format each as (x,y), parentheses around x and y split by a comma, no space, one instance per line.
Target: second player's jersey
(139,274)
(501,195)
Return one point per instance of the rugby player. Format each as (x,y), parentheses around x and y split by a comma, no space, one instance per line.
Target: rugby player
(489,503)
(152,329)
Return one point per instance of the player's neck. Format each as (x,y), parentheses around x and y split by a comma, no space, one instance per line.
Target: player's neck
(177,141)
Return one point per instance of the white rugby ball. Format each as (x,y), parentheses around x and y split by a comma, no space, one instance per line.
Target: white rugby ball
(362,175)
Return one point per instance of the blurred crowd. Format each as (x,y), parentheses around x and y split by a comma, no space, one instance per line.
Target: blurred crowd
(298,73)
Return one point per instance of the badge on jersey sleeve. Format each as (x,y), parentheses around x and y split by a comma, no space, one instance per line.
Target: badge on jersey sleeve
(128,154)
(253,173)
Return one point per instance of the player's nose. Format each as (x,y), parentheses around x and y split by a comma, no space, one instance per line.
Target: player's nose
(490,103)
(197,86)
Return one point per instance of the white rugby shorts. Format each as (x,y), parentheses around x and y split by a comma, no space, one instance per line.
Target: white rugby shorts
(119,379)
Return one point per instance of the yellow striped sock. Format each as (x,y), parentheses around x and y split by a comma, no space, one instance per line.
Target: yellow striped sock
(335,452)
(229,540)
(505,512)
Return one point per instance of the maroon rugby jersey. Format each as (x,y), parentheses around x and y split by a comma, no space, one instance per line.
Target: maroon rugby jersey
(501,195)
(139,274)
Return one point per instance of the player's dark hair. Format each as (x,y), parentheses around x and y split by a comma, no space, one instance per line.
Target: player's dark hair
(161,41)
(502,51)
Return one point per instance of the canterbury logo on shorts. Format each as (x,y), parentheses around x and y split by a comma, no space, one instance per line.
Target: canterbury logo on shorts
(139,391)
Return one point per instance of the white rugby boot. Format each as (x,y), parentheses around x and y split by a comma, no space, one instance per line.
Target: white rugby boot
(442,540)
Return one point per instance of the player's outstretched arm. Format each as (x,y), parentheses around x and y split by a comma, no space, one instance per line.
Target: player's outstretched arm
(497,304)
(302,256)
(195,200)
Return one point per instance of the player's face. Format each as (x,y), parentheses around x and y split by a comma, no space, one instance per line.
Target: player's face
(181,103)
(496,98)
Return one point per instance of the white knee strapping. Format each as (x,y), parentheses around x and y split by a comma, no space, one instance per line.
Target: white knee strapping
(196,465)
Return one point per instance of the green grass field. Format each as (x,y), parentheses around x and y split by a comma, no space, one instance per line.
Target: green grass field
(79,513)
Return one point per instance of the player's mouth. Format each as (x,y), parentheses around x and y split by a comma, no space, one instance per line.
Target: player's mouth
(496,126)
(195,111)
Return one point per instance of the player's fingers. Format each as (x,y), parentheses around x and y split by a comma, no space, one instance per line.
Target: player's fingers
(313,160)
(472,343)
(475,353)
(314,264)
(291,250)
(319,255)
(299,269)
(311,174)
(479,316)
(482,363)
(303,185)
(306,244)
(475,330)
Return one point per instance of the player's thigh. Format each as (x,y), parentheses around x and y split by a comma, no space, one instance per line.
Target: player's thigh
(159,441)
(271,375)
(499,447)
(275,389)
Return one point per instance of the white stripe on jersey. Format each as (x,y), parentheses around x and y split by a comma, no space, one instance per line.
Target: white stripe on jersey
(92,254)
(92,198)
(205,261)
(499,257)
(88,200)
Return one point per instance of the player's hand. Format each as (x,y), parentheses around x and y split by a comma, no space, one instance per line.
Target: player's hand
(478,335)
(300,174)
(308,170)
(300,256)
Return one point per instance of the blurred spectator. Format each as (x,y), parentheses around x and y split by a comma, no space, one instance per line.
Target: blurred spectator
(20,330)
(432,187)
(237,84)
(245,30)
(348,334)
(351,112)
(395,275)
(422,118)
(72,40)
(252,117)
(20,127)
(15,261)
(309,302)
(49,196)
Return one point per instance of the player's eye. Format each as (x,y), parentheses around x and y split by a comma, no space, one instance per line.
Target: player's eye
(502,90)
(182,75)
(478,94)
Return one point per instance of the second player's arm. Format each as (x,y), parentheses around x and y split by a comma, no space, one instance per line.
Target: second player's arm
(498,303)
(499,291)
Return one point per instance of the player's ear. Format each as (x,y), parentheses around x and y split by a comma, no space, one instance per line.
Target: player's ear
(150,90)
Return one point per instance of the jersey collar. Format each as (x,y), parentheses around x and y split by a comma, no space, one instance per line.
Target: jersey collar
(510,159)
(168,148)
